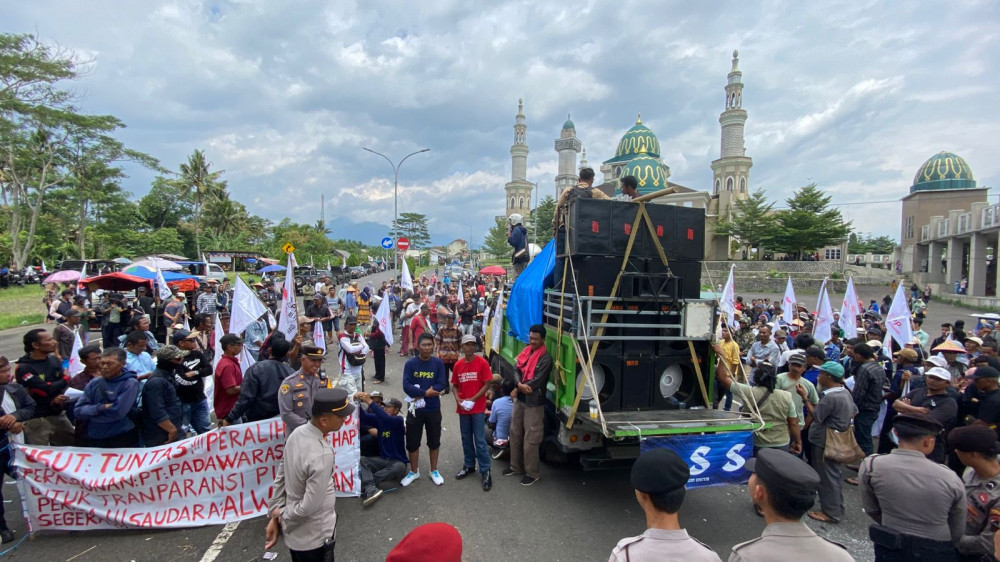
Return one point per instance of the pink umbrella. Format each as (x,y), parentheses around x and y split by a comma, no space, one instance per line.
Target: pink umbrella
(64,276)
(493,270)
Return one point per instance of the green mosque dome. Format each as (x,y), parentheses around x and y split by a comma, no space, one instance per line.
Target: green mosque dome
(648,171)
(568,124)
(943,171)
(637,141)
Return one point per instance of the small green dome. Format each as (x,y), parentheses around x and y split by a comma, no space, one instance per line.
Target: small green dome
(568,124)
(637,141)
(943,171)
(648,171)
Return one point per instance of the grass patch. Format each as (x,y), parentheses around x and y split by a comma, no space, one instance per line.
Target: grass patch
(21,306)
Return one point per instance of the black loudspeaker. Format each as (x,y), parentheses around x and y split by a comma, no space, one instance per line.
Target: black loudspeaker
(589,228)
(636,382)
(607,377)
(622,219)
(688,271)
(680,230)
(596,275)
(675,383)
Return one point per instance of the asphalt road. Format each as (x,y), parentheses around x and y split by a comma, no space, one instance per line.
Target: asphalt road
(568,515)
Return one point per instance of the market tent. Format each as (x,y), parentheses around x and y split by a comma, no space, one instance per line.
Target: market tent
(115,282)
(180,281)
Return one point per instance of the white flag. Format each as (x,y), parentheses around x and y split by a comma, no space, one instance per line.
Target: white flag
(728,304)
(328,268)
(288,323)
(824,318)
(247,307)
(161,285)
(497,323)
(343,261)
(405,281)
(83,274)
(849,311)
(186,325)
(246,360)
(384,317)
(311,261)
(461,294)
(789,308)
(44,269)
(897,322)
(210,381)
(319,340)
(75,363)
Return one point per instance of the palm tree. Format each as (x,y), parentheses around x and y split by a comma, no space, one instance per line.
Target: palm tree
(198,183)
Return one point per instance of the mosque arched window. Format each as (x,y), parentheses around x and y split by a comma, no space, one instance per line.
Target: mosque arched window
(512,202)
(743,185)
(729,183)
(718,185)
(520,203)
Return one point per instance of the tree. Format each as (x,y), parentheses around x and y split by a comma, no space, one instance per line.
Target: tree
(809,223)
(198,184)
(858,244)
(541,222)
(496,239)
(414,227)
(751,224)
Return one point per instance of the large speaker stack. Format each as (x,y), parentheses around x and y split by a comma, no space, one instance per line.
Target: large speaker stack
(642,372)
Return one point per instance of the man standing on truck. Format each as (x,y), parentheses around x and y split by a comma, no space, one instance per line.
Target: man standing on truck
(531,373)
(517,237)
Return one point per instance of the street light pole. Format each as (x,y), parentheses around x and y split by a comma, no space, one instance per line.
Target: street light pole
(395,193)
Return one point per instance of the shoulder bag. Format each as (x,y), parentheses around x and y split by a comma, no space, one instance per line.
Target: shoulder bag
(841,446)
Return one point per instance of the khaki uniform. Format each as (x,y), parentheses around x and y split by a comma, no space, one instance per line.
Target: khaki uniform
(660,544)
(295,398)
(790,541)
(982,514)
(304,488)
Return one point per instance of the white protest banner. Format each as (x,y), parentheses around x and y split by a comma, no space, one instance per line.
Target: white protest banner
(823,328)
(897,321)
(214,478)
(288,323)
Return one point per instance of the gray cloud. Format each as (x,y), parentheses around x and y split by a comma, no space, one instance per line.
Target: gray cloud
(854,96)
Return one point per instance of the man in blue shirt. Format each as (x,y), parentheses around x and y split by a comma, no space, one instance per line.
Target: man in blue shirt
(137,359)
(498,426)
(390,466)
(424,381)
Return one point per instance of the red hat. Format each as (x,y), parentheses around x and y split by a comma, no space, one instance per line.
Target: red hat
(437,542)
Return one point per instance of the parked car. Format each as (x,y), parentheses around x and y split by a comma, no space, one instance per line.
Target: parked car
(339,275)
(357,271)
(201,273)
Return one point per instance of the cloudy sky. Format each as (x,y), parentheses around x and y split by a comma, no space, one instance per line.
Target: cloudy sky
(283,95)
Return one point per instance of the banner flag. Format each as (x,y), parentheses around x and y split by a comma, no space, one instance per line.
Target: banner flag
(246,360)
(728,304)
(849,311)
(44,269)
(384,317)
(405,281)
(247,307)
(319,339)
(289,320)
(497,324)
(83,275)
(897,322)
(75,363)
(163,290)
(715,459)
(218,477)
(823,328)
(789,304)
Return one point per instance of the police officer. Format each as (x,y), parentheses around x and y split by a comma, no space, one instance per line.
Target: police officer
(659,476)
(784,488)
(295,396)
(303,499)
(917,504)
(976,446)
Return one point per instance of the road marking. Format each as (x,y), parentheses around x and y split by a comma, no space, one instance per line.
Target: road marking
(220,542)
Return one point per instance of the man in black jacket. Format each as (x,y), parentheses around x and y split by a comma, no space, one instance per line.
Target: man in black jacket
(528,419)
(191,381)
(41,374)
(868,382)
(161,408)
(259,392)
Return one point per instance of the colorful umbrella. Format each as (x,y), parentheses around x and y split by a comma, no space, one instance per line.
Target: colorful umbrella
(64,276)
(493,270)
(271,269)
(152,263)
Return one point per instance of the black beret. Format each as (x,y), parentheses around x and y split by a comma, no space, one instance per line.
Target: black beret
(783,471)
(986,372)
(990,361)
(659,471)
(974,439)
(917,424)
(332,401)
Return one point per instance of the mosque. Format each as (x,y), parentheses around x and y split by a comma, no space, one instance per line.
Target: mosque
(638,155)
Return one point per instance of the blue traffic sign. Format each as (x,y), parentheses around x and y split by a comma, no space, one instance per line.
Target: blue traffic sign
(387,243)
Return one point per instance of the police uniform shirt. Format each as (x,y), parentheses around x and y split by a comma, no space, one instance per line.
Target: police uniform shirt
(913,495)
(790,541)
(982,517)
(304,489)
(661,544)
(295,398)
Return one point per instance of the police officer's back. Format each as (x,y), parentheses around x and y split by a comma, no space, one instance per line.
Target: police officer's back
(977,447)
(784,487)
(917,504)
(659,477)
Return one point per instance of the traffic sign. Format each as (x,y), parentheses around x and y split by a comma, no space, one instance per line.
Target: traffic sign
(288,248)
(387,243)
(403,243)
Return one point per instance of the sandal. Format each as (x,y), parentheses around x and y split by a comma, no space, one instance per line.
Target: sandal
(851,481)
(822,517)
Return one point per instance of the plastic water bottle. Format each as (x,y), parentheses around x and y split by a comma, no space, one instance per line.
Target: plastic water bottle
(593,409)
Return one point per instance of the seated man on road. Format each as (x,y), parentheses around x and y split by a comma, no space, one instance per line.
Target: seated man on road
(498,425)
(391,465)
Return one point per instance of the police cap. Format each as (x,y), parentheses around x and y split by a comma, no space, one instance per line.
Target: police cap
(783,471)
(974,439)
(312,352)
(332,401)
(658,471)
(917,424)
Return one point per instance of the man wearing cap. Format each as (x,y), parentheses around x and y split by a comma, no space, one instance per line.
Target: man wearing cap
(190,381)
(977,448)
(933,401)
(390,464)
(801,389)
(303,499)
(162,411)
(296,394)
(918,505)
(350,342)
(471,378)
(783,487)
(835,410)
(228,375)
(658,478)
(205,304)
(972,346)
(259,390)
